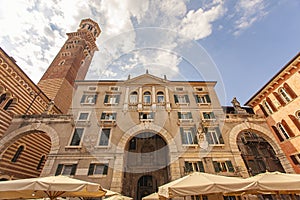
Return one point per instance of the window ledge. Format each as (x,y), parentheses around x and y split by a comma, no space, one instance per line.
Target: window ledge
(111,104)
(182,104)
(217,145)
(97,175)
(73,147)
(102,147)
(87,103)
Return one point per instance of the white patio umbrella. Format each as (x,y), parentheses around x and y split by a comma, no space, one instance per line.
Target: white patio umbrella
(52,187)
(199,183)
(153,196)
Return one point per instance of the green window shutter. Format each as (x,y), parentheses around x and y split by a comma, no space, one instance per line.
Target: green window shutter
(175,98)
(73,170)
(179,115)
(95,98)
(190,115)
(212,115)
(277,133)
(201,167)
(91,169)
(59,169)
(220,135)
(187,167)
(103,115)
(207,98)
(194,131)
(105,169)
(117,98)
(83,98)
(187,100)
(196,98)
(106,99)
(114,116)
(216,166)
(229,165)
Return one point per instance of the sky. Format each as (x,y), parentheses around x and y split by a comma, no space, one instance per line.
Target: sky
(240,44)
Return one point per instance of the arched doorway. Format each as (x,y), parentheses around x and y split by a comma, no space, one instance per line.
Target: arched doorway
(145,165)
(257,153)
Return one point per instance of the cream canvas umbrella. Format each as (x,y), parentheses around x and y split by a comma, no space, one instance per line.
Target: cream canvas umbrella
(52,187)
(199,183)
(153,196)
(277,182)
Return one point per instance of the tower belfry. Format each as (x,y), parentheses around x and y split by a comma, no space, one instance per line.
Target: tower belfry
(70,64)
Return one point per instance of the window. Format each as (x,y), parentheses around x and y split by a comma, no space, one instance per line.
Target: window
(199,197)
(213,136)
(112,99)
(160,97)
(208,115)
(283,131)
(88,99)
(114,88)
(185,116)
(146,116)
(296,159)
(66,169)
(202,99)
(97,169)
(181,99)
(133,98)
(223,166)
(8,104)
(83,116)
(104,137)
(41,162)
(193,166)
(108,116)
(77,135)
(92,88)
(188,136)
(2,98)
(199,89)
(269,109)
(179,89)
(285,96)
(62,62)
(147,97)
(298,114)
(17,154)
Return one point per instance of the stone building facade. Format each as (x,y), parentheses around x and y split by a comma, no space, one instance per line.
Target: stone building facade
(278,101)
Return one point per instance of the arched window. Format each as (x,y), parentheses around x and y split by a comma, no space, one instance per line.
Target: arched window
(285,96)
(8,104)
(41,162)
(290,91)
(160,97)
(18,153)
(295,120)
(3,98)
(147,97)
(133,98)
(268,107)
(283,131)
(298,114)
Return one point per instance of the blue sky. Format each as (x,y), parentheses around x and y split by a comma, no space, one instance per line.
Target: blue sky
(241,44)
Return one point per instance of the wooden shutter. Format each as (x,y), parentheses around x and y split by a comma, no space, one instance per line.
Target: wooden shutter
(229,165)
(296,121)
(220,135)
(194,131)
(175,98)
(287,128)
(278,97)
(105,169)
(197,98)
(103,115)
(187,167)
(263,110)
(201,167)
(183,138)
(290,91)
(294,159)
(187,100)
(83,99)
(106,99)
(271,104)
(91,169)
(216,166)
(95,98)
(207,98)
(179,115)
(73,171)
(59,169)
(117,98)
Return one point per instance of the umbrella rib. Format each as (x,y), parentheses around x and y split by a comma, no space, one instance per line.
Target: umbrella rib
(54,194)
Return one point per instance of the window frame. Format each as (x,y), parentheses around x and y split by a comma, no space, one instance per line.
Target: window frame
(185,116)
(224,166)
(88,99)
(195,166)
(108,99)
(72,137)
(147,98)
(181,99)
(112,116)
(283,131)
(82,112)
(189,133)
(61,167)
(214,134)
(133,96)
(93,168)
(284,95)
(160,96)
(101,132)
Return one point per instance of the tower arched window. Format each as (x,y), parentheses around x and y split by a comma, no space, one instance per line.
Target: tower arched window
(268,107)
(147,97)
(18,153)
(284,94)
(160,97)
(133,98)
(283,130)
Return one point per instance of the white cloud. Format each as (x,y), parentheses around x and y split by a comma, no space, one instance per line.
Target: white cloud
(249,12)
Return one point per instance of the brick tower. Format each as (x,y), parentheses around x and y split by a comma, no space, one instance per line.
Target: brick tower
(70,64)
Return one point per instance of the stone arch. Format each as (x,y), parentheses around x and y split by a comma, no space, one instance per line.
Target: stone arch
(261,131)
(10,138)
(147,127)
